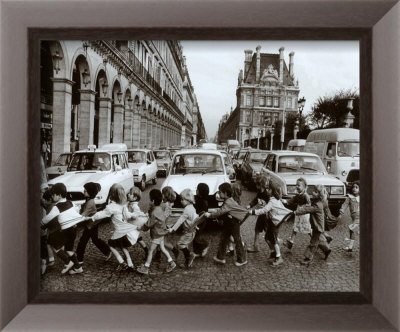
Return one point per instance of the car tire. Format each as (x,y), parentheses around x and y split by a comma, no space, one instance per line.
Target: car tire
(143,183)
(154,181)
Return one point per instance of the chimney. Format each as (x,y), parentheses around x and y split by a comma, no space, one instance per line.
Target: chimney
(291,64)
(281,59)
(258,64)
(247,60)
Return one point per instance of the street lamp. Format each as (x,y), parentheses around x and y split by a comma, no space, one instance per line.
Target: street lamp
(85,77)
(349,118)
(119,96)
(300,104)
(105,88)
(272,136)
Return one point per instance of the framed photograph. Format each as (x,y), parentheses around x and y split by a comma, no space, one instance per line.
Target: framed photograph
(102,98)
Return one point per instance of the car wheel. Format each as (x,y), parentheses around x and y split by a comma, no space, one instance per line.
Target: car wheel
(143,183)
(154,181)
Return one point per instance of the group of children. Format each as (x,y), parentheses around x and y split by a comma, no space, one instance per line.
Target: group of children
(187,234)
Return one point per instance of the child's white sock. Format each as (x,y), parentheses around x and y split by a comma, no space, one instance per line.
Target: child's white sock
(147,264)
(351,244)
(277,250)
(128,257)
(117,255)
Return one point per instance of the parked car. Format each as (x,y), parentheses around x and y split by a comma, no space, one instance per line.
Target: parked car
(60,166)
(191,167)
(143,165)
(252,164)
(238,161)
(229,166)
(163,159)
(285,167)
(102,166)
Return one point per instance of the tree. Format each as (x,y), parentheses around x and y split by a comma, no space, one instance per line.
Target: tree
(329,111)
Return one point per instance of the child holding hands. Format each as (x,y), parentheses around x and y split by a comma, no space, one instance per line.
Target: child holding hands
(274,211)
(187,219)
(353,203)
(158,229)
(125,235)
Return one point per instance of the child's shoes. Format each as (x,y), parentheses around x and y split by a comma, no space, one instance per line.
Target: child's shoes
(219,261)
(67,267)
(278,261)
(76,270)
(143,269)
(204,252)
(240,263)
(171,265)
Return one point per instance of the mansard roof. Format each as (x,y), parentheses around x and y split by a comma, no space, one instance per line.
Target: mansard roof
(266,59)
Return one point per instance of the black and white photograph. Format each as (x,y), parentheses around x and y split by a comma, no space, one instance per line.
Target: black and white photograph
(200,166)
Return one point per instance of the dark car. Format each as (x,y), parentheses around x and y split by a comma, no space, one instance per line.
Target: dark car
(251,167)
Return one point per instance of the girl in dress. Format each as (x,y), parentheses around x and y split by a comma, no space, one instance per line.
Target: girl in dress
(125,235)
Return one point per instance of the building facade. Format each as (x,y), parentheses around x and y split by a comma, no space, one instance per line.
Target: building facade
(99,92)
(266,93)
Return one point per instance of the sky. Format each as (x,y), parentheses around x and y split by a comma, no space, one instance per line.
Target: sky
(322,68)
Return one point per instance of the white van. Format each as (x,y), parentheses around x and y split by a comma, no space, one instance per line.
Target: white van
(339,150)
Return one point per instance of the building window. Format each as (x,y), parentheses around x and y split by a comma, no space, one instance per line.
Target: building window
(269,101)
(268,118)
(276,102)
(262,101)
(276,117)
(248,100)
(289,102)
(247,119)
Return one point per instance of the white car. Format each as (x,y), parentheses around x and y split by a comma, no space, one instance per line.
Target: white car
(191,167)
(60,166)
(285,167)
(163,159)
(102,166)
(143,166)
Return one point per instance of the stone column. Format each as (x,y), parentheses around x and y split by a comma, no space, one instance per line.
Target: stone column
(118,123)
(86,118)
(154,134)
(149,129)
(104,121)
(128,128)
(62,106)
(159,140)
(136,130)
(143,131)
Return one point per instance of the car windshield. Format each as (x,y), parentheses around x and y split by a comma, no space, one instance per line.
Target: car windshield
(300,164)
(90,161)
(226,159)
(161,154)
(348,149)
(63,160)
(258,157)
(136,157)
(197,163)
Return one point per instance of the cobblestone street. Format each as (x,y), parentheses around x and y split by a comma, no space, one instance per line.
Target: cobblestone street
(339,273)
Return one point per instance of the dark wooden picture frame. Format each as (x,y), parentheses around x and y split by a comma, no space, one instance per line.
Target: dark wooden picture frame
(355,18)
(361,35)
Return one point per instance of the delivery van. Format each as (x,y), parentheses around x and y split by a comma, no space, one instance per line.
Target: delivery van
(339,150)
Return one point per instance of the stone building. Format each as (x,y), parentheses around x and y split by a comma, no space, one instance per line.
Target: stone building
(266,92)
(98,92)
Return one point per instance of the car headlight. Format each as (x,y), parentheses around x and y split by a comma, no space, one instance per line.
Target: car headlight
(291,189)
(337,190)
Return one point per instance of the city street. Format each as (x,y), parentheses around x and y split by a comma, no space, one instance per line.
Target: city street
(339,273)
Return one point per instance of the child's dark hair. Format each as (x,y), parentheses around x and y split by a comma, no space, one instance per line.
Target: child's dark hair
(236,192)
(226,188)
(47,195)
(155,196)
(92,189)
(275,190)
(303,180)
(203,190)
(59,189)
